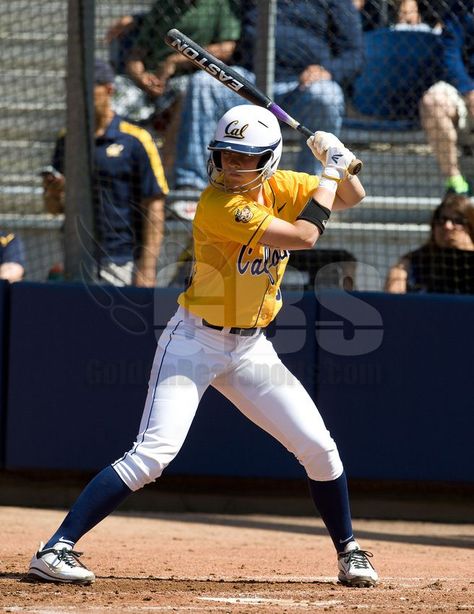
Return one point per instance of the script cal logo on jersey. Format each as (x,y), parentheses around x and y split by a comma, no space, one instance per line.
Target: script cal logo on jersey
(234,131)
(266,265)
(243,215)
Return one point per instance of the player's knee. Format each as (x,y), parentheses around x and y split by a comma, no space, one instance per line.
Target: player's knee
(323,465)
(137,471)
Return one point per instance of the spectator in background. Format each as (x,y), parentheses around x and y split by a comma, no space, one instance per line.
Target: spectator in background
(401,62)
(447,108)
(407,13)
(12,257)
(318,49)
(155,76)
(446,262)
(408,16)
(399,14)
(129,189)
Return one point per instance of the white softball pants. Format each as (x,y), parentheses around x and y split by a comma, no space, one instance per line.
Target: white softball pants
(247,371)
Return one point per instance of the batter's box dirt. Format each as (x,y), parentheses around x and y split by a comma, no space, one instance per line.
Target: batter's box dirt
(146,596)
(238,565)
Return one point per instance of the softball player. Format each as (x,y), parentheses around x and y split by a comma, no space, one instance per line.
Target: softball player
(246,222)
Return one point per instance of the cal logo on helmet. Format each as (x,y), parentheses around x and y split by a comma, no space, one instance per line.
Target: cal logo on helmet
(234,132)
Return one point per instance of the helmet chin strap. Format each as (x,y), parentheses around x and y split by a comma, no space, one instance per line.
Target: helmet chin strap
(218,180)
(244,187)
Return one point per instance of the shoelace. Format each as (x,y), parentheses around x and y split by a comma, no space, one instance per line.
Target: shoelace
(358,558)
(67,556)
(70,557)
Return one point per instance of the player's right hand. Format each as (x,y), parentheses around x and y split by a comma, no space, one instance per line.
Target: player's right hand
(320,143)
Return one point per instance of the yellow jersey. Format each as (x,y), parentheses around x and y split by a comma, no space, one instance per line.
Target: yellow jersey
(235,280)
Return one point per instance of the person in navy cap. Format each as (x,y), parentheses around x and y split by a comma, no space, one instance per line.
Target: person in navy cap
(129,189)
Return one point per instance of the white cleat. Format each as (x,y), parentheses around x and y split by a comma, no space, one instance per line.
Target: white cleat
(59,564)
(355,568)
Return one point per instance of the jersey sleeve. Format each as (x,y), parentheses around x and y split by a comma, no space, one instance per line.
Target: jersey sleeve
(150,174)
(294,189)
(236,219)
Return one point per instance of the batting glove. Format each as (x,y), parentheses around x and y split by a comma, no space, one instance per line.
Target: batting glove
(338,160)
(320,143)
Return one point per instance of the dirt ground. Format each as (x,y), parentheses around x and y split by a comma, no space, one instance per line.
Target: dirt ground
(210,563)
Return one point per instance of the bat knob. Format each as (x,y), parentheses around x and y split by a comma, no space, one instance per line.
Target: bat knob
(355,167)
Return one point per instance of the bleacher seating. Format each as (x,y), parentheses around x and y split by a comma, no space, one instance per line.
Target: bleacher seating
(32,105)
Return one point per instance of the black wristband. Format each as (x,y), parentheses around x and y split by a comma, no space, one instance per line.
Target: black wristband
(315,214)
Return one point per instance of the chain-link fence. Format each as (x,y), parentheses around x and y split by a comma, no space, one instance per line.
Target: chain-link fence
(410,157)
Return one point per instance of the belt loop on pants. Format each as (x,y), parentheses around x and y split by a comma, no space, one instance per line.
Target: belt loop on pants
(243,332)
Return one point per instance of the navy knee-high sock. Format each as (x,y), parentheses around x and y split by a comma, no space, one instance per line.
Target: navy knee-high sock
(100,497)
(332,501)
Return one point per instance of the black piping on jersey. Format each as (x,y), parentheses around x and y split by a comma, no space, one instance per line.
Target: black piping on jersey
(256,230)
(155,385)
(261,304)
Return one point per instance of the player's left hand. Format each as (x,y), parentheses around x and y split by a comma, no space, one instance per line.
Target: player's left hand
(321,142)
